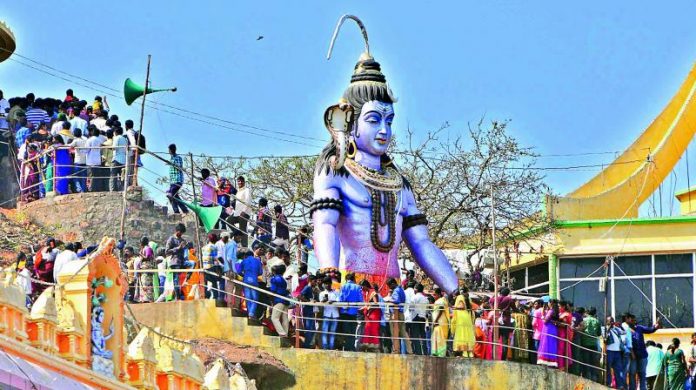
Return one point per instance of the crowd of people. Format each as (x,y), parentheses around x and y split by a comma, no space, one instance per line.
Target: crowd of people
(332,311)
(68,146)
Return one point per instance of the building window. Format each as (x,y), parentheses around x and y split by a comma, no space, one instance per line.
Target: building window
(629,299)
(581,267)
(671,276)
(532,280)
(586,294)
(518,278)
(538,274)
(674,297)
(673,264)
(633,265)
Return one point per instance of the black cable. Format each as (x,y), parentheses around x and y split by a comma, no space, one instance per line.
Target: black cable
(33,385)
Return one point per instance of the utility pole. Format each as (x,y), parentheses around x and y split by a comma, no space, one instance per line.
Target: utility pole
(193,190)
(495,278)
(142,117)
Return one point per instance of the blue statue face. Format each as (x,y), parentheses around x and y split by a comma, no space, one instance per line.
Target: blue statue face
(373,133)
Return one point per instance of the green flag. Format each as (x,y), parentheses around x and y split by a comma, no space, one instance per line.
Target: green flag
(208,215)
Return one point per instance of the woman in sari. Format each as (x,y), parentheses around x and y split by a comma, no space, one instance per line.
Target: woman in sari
(548,343)
(463,325)
(47,167)
(373,317)
(29,179)
(491,323)
(145,292)
(675,363)
(565,333)
(440,327)
(63,167)
(521,335)
(480,325)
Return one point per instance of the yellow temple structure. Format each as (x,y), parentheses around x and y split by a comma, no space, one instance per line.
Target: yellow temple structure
(598,252)
(56,344)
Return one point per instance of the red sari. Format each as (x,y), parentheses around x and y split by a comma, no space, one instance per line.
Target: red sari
(565,333)
(373,316)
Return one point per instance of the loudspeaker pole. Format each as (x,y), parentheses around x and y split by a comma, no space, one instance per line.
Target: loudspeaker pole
(142,117)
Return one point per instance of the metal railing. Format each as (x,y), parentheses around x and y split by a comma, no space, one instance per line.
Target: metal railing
(294,310)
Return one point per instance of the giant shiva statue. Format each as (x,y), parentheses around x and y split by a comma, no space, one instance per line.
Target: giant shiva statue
(363,207)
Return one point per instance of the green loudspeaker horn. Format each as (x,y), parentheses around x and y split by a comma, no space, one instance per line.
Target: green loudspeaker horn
(208,215)
(132,91)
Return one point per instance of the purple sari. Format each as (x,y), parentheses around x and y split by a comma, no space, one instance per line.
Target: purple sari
(548,343)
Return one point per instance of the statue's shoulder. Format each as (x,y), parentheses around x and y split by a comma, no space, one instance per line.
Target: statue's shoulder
(324,181)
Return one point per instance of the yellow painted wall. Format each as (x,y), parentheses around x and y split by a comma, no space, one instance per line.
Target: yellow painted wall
(687,202)
(624,239)
(316,369)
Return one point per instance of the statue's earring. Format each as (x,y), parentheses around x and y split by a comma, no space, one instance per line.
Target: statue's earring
(352,149)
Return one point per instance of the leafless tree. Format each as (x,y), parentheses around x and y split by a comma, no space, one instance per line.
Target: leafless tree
(452,179)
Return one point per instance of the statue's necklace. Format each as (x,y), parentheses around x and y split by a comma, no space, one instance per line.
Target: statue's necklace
(389,180)
(383,187)
(387,219)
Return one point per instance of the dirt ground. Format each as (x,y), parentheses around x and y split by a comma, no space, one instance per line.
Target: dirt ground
(269,372)
(17,233)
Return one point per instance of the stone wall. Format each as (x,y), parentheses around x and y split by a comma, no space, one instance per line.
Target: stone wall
(88,217)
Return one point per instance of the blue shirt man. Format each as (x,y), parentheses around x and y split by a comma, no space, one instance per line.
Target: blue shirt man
(639,348)
(251,269)
(22,135)
(398,297)
(231,253)
(351,292)
(279,286)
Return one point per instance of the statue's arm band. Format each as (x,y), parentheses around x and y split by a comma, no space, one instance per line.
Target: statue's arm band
(325,203)
(414,220)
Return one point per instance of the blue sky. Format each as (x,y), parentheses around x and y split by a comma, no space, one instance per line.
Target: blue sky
(576,78)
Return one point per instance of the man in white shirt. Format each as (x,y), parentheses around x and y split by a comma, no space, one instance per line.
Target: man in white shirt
(416,328)
(63,258)
(242,209)
(94,160)
(57,126)
(330,322)
(100,121)
(76,122)
(80,161)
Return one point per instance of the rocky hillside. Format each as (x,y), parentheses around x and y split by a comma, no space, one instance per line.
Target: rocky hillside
(18,233)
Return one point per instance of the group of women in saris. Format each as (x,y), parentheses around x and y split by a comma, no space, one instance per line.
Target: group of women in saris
(37,171)
(556,333)
(461,324)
